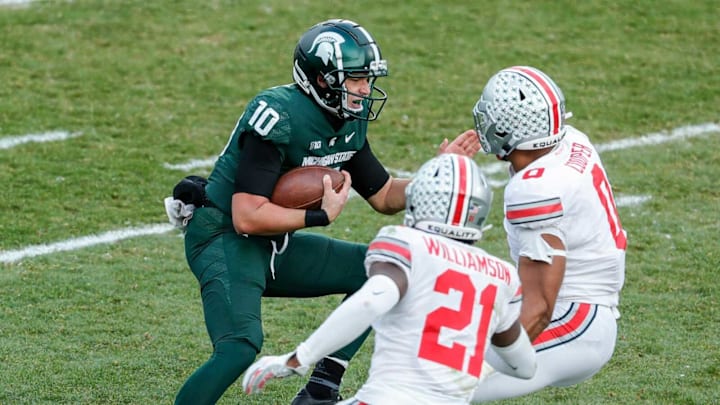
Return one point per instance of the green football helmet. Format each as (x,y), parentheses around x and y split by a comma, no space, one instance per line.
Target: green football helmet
(337,50)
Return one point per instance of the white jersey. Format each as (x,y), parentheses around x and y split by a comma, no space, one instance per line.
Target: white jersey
(567,193)
(429,348)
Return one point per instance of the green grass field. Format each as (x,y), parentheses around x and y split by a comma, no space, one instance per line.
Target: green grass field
(143,85)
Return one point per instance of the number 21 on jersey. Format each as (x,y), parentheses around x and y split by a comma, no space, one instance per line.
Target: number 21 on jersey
(472,305)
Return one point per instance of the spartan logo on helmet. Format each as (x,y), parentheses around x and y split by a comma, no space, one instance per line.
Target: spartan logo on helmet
(325,46)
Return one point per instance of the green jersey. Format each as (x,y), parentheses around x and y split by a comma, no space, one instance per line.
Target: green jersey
(297,127)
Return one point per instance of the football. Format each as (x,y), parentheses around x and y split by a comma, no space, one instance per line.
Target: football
(302,187)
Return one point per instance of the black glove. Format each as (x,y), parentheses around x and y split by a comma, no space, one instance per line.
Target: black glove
(191,190)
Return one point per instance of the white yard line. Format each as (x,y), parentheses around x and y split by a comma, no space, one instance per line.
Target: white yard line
(84,241)
(631,200)
(15,2)
(191,165)
(657,138)
(13,141)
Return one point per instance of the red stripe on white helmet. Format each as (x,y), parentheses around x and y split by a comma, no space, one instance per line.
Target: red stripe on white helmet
(549,92)
(462,186)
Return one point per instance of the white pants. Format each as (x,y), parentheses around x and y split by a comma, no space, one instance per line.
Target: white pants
(578,342)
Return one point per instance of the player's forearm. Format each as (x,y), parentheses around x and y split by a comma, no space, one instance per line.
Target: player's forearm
(350,319)
(391,198)
(396,196)
(541,283)
(261,217)
(518,357)
(269,220)
(535,319)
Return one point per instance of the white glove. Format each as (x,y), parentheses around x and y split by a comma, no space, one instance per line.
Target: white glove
(267,368)
(178,212)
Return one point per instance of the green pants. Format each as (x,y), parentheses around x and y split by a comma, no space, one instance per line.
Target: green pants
(234,273)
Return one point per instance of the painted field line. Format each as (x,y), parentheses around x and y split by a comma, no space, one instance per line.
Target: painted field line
(15,2)
(13,141)
(84,241)
(656,138)
(13,256)
(631,200)
(191,164)
(114,236)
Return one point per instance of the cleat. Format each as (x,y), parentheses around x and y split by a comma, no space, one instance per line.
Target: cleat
(304,398)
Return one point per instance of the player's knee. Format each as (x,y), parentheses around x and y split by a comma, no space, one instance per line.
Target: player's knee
(234,355)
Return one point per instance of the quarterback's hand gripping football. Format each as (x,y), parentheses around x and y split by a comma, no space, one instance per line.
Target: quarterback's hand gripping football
(334,202)
(268,368)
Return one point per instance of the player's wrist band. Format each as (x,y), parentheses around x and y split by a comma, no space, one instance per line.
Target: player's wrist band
(316,218)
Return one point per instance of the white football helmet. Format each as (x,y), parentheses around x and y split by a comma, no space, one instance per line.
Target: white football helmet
(520,108)
(449,196)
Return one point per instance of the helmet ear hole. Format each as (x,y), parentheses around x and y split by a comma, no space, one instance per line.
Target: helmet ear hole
(328,79)
(322,82)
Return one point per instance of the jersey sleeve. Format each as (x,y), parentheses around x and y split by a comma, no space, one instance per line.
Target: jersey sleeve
(389,246)
(258,167)
(263,132)
(269,117)
(368,174)
(533,203)
(536,203)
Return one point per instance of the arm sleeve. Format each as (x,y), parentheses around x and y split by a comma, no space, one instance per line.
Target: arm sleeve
(517,360)
(376,297)
(368,174)
(259,167)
